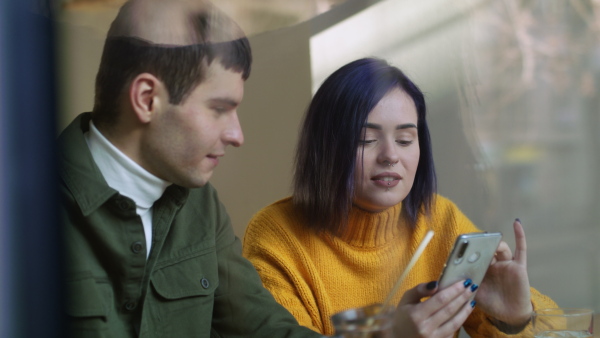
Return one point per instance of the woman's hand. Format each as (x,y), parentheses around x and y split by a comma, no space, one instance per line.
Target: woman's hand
(439,316)
(504,293)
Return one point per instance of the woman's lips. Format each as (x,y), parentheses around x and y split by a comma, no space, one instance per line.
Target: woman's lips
(387,180)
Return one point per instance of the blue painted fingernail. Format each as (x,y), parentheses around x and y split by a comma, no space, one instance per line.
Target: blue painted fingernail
(473,303)
(518,220)
(431,285)
(474,287)
(467,283)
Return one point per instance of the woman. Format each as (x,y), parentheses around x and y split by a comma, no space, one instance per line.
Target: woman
(364,198)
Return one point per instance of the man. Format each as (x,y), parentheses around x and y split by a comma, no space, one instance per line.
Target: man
(150,250)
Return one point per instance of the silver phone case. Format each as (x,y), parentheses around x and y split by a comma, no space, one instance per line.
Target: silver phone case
(478,250)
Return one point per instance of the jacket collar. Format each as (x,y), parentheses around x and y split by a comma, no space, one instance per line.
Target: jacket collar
(81,175)
(78,170)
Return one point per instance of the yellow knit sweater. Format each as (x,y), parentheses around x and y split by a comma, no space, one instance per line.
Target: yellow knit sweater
(315,276)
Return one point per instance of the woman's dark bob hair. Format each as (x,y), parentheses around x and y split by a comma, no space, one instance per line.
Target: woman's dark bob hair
(327,149)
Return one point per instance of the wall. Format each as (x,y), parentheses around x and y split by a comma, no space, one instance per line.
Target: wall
(276,94)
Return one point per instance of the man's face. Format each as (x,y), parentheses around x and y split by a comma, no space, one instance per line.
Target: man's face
(184,142)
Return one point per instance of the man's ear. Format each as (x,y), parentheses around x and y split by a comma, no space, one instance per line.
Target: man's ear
(146,95)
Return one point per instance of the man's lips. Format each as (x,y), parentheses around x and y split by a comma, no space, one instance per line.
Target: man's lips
(387,179)
(215,158)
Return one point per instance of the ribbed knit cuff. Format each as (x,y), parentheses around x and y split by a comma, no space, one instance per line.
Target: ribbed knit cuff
(508,329)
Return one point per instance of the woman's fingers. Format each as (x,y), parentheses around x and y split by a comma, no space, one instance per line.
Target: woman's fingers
(419,292)
(446,303)
(521,243)
(503,252)
(447,310)
(455,323)
(439,316)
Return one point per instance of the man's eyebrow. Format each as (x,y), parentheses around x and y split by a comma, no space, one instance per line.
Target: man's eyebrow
(400,126)
(225,101)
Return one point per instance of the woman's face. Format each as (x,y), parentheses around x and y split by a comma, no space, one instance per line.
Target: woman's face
(388,153)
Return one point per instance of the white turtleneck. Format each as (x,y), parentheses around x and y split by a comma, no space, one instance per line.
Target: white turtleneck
(127,177)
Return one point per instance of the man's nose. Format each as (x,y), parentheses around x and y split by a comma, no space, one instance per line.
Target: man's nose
(233,135)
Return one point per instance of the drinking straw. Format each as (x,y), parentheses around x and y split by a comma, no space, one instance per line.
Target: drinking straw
(412,262)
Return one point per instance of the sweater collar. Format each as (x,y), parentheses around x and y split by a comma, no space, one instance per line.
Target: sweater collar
(372,229)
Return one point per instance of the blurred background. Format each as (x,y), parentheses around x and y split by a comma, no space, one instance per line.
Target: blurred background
(512,88)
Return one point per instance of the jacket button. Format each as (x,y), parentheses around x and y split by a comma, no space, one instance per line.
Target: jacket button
(130,306)
(205,283)
(125,204)
(137,247)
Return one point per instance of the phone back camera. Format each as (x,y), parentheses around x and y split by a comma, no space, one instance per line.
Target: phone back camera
(461,251)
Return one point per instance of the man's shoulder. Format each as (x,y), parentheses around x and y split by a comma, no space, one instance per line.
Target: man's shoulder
(206,194)
(203,202)
(72,147)
(74,130)
(80,179)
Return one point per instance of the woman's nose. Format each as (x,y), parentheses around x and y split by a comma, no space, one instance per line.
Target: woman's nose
(389,153)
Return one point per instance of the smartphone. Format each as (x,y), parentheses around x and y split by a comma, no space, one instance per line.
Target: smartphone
(470,258)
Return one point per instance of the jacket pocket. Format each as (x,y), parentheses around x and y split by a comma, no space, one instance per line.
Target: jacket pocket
(87,304)
(184,294)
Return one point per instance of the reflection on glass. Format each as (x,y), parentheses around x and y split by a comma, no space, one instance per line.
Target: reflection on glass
(253,16)
(514,106)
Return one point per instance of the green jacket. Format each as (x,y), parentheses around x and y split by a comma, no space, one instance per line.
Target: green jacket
(195,282)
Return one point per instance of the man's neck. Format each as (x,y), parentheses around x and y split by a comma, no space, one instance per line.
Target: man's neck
(127,177)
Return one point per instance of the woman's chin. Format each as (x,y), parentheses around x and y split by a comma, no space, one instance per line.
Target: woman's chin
(377,205)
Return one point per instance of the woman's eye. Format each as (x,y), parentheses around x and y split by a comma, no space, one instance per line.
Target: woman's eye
(366,141)
(404,142)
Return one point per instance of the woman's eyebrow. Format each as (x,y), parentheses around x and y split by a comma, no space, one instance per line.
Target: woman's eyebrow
(406,126)
(373,126)
(400,126)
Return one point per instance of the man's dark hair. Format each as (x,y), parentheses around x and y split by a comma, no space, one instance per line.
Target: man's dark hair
(327,149)
(180,68)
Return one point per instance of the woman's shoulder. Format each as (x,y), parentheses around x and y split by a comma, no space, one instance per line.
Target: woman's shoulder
(442,203)
(279,216)
(447,215)
(277,224)
(278,209)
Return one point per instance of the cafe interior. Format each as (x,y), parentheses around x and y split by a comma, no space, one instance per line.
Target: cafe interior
(513,94)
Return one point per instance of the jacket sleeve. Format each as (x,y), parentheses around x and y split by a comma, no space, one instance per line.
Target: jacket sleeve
(243,307)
